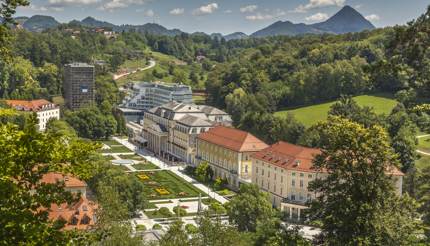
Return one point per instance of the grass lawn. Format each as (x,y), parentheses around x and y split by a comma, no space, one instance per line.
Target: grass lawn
(312,114)
(175,186)
(116,149)
(132,157)
(423,162)
(110,142)
(145,166)
(424,144)
(124,168)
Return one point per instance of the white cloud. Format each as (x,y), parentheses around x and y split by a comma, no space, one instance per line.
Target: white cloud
(177,11)
(42,8)
(259,16)
(71,2)
(228,11)
(317,17)
(206,9)
(248,9)
(149,13)
(313,4)
(117,4)
(373,17)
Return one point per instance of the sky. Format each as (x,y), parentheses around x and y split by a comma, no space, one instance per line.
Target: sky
(223,16)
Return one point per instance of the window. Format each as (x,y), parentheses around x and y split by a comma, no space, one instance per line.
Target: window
(293,174)
(293,197)
(293,183)
(262,172)
(256,170)
(275,176)
(282,178)
(302,175)
(310,176)
(301,183)
(246,168)
(268,174)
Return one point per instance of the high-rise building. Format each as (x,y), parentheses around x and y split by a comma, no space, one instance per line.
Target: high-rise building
(78,85)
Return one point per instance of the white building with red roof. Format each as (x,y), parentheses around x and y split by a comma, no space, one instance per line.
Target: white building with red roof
(285,170)
(228,151)
(44,109)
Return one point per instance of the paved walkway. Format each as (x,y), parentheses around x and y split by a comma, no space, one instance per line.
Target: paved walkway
(151,65)
(176,170)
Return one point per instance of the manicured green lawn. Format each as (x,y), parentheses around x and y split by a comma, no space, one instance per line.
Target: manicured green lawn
(312,114)
(176,186)
(116,149)
(124,168)
(423,162)
(110,142)
(424,144)
(132,157)
(145,166)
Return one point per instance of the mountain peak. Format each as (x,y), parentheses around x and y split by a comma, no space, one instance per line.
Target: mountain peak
(346,20)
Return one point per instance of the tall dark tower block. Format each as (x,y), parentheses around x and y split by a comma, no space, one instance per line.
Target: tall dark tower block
(78,85)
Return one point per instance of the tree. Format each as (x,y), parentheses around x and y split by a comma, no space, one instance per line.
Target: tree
(27,156)
(60,128)
(273,232)
(423,194)
(176,235)
(357,201)
(204,172)
(249,207)
(7,11)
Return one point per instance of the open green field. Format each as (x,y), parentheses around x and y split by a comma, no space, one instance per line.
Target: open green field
(116,149)
(423,162)
(132,157)
(163,62)
(424,144)
(175,186)
(312,114)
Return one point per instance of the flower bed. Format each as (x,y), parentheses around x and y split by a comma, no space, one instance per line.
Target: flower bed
(162,191)
(143,176)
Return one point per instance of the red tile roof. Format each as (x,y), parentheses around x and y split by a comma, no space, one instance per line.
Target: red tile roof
(80,215)
(288,156)
(233,139)
(32,105)
(294,157)
(69,181)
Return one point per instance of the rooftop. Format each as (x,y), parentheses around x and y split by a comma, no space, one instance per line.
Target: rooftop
(191,120)
(288,156)
(80,215)
(295,157)
(69,181)
(31,105)
(79,64)
(233,139)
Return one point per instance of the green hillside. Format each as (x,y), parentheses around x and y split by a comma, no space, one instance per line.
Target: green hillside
(312,114)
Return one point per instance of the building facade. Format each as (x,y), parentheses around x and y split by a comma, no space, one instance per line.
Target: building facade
(79,85)
(147,95)
(170,130)
(44,110)
(228,152)
(284,171)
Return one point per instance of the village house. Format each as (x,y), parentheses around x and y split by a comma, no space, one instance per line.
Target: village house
(44,110)
(80,215)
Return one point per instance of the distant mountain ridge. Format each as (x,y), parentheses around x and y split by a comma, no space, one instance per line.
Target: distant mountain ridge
(346,20)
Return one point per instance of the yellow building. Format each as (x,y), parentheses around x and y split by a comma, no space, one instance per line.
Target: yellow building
(284,171)
(228,152)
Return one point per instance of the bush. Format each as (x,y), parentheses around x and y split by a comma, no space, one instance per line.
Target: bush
(191,229)
(140,228)
(189,170)
(157,227)
(165,212)
(180,211)
(217,208)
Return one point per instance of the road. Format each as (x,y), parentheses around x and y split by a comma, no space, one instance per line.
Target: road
(152,64)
